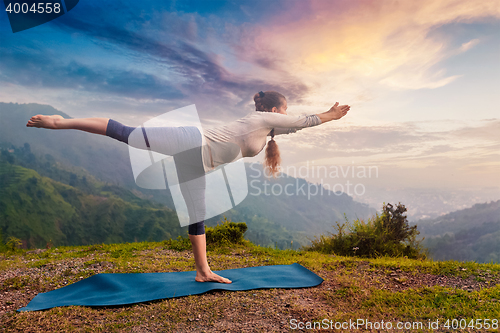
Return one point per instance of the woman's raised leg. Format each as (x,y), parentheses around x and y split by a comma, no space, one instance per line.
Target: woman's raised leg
(92,125)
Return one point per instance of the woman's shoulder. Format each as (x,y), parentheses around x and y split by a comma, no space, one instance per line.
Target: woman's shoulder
(265,114)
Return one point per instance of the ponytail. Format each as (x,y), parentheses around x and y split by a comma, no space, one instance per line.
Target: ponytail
(265,101)
(273,158)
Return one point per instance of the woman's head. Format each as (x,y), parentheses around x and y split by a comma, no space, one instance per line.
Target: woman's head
(270,101)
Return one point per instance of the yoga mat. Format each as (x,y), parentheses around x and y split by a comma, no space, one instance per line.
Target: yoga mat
(111,289)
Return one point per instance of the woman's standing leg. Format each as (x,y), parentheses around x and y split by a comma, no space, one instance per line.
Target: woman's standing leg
(203,271)
(191,177)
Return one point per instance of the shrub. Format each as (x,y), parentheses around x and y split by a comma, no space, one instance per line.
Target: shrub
(179,244)
(387,234)
(13,244)
(223,234)
(226,233)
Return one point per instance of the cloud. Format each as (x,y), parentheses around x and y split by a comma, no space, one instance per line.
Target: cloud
(186,60)
(407,154)
(184,46)
(42,71)
(395,143)
(187,44)
(374,139)
(218,56)
(488,130)
(470,44)
(386,42)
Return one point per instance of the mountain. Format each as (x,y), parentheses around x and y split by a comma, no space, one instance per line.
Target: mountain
(468,234)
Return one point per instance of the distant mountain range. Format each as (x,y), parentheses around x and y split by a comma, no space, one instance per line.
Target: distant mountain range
(272,219)
(471,234)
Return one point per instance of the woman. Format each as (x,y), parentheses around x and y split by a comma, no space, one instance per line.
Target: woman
(248,134)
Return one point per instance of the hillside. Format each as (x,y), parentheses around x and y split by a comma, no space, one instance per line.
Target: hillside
(39,211)
(385,289)
(468,234)
(468,218)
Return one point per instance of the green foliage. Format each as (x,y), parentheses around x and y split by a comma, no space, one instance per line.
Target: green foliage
(43,212)
(13,244)
(179,244)
(388,234)
(226,233)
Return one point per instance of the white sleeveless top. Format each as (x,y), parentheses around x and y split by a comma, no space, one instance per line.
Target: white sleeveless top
(247,136)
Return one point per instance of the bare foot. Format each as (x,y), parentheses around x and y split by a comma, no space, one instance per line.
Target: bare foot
(42,121)
(211,277)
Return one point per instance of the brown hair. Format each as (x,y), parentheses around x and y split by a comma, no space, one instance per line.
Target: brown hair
(265,101)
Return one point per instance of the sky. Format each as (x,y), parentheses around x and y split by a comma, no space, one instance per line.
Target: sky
(421,77)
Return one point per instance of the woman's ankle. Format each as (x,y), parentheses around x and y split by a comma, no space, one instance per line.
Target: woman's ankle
(203,268)
(57,124)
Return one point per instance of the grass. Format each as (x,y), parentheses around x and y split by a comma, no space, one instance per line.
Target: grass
(389,289)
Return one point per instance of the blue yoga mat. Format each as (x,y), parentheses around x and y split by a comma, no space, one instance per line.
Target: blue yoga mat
(111,289)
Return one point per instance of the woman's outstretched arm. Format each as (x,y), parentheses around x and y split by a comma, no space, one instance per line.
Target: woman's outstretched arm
(92,125)
(336,112)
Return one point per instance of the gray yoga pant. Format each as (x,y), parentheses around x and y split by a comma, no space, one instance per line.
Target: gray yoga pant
(184,145)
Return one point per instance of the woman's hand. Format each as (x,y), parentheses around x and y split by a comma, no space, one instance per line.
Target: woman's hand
(336,112)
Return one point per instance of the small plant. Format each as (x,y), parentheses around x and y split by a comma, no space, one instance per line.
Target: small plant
(226,233)
(179,244)
(13,244)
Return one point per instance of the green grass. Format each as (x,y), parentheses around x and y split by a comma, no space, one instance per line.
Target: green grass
(353,288)
(436,302)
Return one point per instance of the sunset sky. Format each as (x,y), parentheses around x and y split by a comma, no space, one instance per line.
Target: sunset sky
(422,77)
